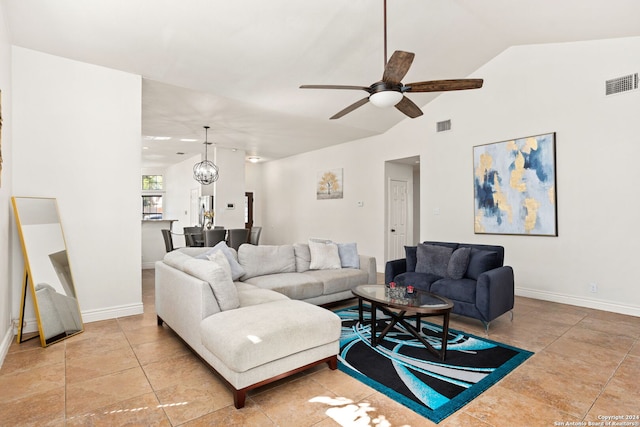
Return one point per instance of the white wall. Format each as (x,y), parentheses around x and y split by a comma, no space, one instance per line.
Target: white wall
(528,90)
(6,291)
(558,88)
(229,188)
(179,184)
(76,137)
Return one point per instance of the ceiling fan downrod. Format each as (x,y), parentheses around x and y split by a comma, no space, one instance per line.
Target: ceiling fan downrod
(385,33)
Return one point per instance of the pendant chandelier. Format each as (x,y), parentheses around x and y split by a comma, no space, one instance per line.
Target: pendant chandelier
(205,172)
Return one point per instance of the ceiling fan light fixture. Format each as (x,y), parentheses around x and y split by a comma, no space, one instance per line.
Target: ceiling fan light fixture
(385,98)
(205,172)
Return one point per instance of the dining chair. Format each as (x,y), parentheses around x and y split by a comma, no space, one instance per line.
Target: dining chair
(193,236)
(214,236)
(254,235)
(168,240)
(237,236)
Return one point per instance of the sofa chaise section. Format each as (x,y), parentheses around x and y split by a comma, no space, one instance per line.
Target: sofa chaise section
(253,315)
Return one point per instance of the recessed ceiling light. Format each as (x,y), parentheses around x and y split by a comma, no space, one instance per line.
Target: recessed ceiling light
(145,148)
(253,159)
(157,138)
(188,140)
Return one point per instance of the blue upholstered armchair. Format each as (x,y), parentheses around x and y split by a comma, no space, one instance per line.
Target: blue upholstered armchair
(472,276)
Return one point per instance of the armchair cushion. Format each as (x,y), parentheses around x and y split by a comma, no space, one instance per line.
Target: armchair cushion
(418,280)
(456,289)
(412,257)
(481,261)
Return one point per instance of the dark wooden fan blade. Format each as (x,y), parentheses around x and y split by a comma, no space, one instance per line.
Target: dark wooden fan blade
(444,85)
(350,108)
(365,88)
(397,66)
(409,108)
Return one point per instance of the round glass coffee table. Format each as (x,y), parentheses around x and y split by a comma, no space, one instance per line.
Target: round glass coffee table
(401,306)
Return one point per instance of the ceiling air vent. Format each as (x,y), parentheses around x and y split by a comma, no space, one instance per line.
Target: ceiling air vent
(622,84)
(443,126)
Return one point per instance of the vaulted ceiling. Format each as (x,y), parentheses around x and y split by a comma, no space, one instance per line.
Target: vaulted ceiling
(237,65)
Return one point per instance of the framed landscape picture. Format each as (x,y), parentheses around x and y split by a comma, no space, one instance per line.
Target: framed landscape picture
(515,187)
(329,184)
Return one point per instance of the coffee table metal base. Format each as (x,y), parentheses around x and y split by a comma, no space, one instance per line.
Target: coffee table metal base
(401,318)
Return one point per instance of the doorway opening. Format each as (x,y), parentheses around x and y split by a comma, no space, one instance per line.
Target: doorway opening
(402,206)
(248,210)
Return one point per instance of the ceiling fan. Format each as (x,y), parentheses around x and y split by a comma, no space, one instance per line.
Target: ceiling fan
(390,90)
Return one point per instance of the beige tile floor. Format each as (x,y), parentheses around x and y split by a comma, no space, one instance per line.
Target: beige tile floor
(129,371)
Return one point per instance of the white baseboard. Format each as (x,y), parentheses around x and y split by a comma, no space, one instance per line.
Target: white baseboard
(579,301)
(148,265)
(5,344)
(112,312)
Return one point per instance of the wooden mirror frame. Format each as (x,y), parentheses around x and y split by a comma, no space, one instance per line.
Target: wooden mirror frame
(52,287)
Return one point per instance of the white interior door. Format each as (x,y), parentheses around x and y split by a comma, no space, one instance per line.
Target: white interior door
(398,206)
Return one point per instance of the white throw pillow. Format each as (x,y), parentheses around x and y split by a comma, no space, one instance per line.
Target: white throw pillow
(324,255)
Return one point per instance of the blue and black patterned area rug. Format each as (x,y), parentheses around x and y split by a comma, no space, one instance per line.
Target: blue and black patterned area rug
(404,370)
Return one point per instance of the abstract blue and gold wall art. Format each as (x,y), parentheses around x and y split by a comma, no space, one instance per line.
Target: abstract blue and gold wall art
(515,187)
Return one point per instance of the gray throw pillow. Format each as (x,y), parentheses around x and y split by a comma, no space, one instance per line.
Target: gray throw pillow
(433,259)
(348,253)
(236,269)
(458,263)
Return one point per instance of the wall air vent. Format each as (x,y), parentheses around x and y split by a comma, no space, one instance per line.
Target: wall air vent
(443,126)
(622,84)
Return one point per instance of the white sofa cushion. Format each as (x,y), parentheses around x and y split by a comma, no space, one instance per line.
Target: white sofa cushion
(250,341)
(217,273)
(265,259)
(298,286)
(334,281)
(303,257)
(324,255)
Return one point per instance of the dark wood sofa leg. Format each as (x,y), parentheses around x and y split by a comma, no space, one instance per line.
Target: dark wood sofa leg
(239,397)
(160,321)
(333,363)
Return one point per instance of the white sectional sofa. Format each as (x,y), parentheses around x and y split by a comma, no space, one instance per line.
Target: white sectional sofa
(252,315)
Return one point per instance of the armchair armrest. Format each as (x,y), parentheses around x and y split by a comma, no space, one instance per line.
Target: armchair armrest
(495,292)
(393,268)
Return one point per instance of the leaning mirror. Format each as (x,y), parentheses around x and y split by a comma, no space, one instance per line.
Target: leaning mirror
(47,274)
